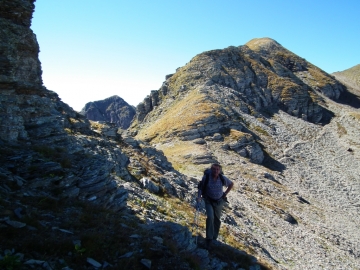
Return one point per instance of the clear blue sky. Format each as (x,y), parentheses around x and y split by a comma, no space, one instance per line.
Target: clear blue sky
(92,49)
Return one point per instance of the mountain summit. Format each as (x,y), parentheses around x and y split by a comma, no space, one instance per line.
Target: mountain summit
(113,110)
(216,86)
(266,44)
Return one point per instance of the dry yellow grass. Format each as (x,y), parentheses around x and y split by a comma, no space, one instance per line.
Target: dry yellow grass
(236,135)
(96,125)
(320,78)
(283,87)
(183,114)
(258,43)
(176,153)
(355,115)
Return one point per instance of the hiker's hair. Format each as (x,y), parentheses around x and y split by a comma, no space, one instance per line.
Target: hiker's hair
(217,165)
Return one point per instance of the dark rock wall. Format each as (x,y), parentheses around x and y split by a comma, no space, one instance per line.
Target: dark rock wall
(19,63)
(40,149)
(48,149)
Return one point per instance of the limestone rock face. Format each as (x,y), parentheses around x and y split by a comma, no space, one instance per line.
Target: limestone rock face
(113,110)
(20,76)
(215,89)
(246,146)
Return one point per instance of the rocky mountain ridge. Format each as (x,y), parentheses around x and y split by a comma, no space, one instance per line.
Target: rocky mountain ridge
(245,81)
(69,187)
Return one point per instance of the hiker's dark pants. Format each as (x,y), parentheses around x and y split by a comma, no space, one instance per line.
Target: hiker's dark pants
(213,214)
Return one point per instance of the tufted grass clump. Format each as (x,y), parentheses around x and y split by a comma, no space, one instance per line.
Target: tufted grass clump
(355,115)
(260,130)
(96,125)
(341,129)
(236,135)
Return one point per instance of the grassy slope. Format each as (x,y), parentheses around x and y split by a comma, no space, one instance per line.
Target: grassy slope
(183,113)
(352,74)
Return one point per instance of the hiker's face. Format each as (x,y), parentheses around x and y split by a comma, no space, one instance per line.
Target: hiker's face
(215,171)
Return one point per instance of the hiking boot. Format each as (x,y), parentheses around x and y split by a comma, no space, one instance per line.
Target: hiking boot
(208,244)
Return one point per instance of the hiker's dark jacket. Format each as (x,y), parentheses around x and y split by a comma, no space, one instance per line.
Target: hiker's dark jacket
(214,189)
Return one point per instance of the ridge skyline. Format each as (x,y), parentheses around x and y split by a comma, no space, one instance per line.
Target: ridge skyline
(255,44)
(101,50)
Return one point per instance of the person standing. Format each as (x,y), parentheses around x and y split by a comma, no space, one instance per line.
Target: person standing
(211,189)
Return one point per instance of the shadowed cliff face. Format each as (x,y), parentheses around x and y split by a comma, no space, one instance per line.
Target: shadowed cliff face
(22,94)
(19,63)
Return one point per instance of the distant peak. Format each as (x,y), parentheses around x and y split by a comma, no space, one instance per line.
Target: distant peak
(258,44)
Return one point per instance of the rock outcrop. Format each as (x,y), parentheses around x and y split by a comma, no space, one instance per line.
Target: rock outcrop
(113,110)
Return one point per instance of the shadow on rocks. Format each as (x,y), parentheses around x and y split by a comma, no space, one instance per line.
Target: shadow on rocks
(227,257)
(350,99)
(272,163)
